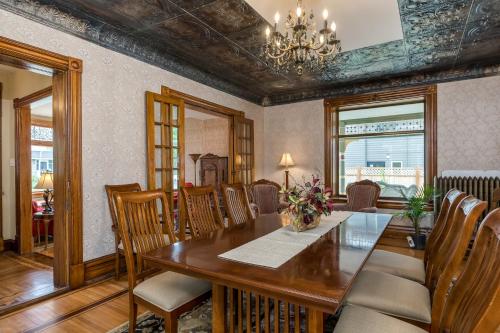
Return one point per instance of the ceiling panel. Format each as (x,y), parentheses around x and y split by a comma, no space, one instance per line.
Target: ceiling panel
(219,42)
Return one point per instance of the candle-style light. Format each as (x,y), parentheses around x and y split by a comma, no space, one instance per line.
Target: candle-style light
(300,46)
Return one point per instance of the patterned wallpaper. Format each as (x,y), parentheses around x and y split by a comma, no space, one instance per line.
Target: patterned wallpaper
(114,139)
(468,125)
(298,129)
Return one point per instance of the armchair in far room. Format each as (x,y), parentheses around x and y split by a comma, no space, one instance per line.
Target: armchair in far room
(362,196)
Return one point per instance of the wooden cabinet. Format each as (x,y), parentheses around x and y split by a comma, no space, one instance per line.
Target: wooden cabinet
(213,171)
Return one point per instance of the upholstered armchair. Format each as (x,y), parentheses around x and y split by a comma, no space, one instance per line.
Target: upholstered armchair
(265,198)
(362,196)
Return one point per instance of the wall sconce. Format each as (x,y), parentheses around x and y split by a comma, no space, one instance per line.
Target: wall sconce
(286,161)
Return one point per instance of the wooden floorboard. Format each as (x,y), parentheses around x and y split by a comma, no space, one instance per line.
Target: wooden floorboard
(23,278)
(97,308)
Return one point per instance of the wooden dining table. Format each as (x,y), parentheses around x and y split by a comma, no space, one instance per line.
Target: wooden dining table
(296,294)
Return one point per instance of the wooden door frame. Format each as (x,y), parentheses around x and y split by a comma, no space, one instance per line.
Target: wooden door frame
(24,191)
(218,109)
(1,170)
(67,102)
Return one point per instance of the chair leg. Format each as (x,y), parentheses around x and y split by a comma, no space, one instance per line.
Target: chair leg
(117,265)
(132,320)
(170,323)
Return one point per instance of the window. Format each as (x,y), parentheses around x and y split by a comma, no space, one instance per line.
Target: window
(387,138)
(41,160)
(396,164)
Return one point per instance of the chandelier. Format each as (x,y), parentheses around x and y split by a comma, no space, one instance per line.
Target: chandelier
(299,46)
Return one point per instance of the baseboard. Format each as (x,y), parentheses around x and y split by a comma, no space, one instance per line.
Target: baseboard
(102,267)
(10,245)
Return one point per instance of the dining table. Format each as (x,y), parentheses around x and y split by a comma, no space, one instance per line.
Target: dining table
(294,296)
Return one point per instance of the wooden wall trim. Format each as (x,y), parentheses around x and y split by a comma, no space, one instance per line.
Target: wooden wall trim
(201,103)
(41,121)
(36,96)
(68,150)
(102,267)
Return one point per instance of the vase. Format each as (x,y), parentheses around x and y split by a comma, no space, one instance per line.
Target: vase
(298,224)
(419,241)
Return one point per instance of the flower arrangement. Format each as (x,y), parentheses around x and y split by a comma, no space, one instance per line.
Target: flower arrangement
(307,202)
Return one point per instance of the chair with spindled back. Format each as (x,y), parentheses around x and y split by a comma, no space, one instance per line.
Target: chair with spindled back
(474,302)
(168,294)
(414,268)
(110,190)
(445,265)
(443,222)
(203,211)
(403,298)
(236,204)
(471,305)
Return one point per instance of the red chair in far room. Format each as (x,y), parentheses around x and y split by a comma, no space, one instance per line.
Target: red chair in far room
(38,228)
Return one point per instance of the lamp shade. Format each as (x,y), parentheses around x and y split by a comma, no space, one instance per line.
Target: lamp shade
(46,181)
(286,160)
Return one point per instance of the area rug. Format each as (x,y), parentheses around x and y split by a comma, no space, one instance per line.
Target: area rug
(199,320)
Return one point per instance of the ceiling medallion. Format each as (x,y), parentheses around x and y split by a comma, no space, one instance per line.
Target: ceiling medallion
(299,46)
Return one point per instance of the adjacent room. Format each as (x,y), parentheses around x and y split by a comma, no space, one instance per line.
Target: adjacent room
(250,166)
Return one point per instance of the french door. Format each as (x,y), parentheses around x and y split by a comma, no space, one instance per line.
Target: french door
(165,147)
(243,143)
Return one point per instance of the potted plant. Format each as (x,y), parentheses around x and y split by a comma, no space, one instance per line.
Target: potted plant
(307,202)
(415,211)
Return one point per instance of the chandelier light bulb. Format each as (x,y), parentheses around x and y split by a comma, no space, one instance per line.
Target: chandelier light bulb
(333,26)
(325,14)
(277,17)
(299,11)
(321,39)
(268,31)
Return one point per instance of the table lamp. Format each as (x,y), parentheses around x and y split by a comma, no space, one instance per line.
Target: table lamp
(46,183)
(195,158)
(286,161)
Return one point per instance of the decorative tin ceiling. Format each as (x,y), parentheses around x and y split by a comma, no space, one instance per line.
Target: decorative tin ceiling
(217,42)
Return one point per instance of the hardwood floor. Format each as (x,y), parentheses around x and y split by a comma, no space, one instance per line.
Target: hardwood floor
(23,278)
(96,308)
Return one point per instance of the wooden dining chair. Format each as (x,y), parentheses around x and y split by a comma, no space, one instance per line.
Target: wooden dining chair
(236,204)
(167,294)
(110,190)
(203,211)
(410,300)
(473,301)
(414,268)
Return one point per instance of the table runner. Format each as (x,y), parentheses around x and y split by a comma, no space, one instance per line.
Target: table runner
(276,248)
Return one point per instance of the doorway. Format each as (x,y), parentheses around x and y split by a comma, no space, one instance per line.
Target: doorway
(48,135)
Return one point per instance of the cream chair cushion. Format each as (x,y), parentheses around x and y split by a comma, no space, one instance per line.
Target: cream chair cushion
(356,319)
(396,264)
(171,290)
(392,295)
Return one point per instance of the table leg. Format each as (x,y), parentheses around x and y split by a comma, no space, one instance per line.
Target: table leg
(314,321)
(46,222)
(38,232)
(218,309)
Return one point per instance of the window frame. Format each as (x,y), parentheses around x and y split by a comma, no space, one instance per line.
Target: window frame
(392,97)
